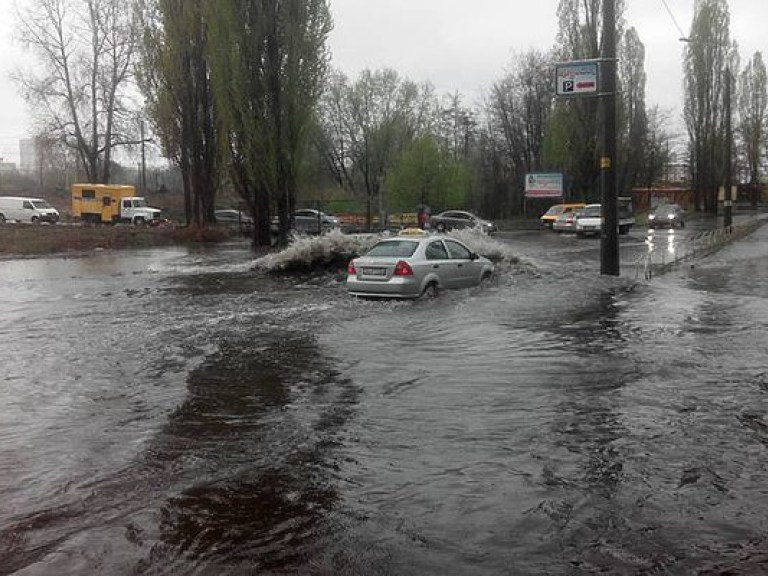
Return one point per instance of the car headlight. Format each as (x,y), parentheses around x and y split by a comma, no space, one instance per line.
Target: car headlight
(671,216)
(651,217)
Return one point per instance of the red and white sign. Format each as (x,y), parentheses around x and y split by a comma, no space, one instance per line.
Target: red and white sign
(544,185)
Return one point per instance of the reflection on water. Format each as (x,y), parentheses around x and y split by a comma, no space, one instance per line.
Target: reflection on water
(174,412)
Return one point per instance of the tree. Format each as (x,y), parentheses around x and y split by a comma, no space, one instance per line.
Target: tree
(633,125)
(517,110)
(268,64)
(753,117)
(79,93)
(367,124)
(655,154)
(708,56)
(429,175)
(175,79)
(572,141)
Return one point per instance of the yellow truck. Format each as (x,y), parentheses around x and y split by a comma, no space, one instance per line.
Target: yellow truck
(110,204)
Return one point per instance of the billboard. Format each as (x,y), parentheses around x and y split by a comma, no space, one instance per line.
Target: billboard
(544,185)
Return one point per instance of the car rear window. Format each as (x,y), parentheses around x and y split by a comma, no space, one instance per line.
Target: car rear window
(591,212)
(554,210)
(400,248)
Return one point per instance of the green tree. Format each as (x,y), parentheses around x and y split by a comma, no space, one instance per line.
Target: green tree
(175,79)
(367,124)
(426,174)
(709,55)
(269,61)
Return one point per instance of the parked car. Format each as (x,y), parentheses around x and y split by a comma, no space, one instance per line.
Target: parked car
(451,219)
(310,221)
(589,221)
(565,222)
(550,216)
(233,219)
(667,216)
(22,209)
(412,265)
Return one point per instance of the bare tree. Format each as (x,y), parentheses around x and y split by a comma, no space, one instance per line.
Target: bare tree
(633,124)
(709,55)
(79,93)
(517,110)
(753,117)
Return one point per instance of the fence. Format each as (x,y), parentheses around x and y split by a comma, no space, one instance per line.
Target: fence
(660,258)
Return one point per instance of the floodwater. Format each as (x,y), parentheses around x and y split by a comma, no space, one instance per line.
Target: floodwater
(175,412)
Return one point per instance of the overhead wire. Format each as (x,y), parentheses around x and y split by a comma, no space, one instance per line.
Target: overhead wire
(683,35)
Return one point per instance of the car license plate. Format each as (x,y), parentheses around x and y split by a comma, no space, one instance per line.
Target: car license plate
(374,271)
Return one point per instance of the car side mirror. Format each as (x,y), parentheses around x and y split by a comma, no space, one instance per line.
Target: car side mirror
(473,256)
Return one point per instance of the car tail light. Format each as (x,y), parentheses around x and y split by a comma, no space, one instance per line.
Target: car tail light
(403,269)
(351,268)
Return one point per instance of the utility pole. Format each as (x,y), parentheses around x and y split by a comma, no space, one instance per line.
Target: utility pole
(143,163)
(727,196)
(609,241)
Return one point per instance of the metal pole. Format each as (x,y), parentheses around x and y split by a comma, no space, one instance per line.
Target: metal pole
(609,243)
(143,163)
(728,197)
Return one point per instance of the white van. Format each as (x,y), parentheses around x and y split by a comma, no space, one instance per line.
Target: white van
(32,210)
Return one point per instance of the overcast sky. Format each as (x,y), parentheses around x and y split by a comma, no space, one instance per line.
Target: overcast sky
(457,45)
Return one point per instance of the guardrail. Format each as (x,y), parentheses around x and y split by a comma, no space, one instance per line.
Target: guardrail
(660,259)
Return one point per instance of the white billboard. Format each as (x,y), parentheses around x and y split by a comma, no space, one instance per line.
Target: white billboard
(544,185)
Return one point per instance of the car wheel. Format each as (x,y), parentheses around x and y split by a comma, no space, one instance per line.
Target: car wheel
(2,218)
(138,221)
(486,279)
(440,227)
(431,291)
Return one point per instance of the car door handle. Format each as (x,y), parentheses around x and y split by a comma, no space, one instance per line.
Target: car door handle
(460,265)
(436,266)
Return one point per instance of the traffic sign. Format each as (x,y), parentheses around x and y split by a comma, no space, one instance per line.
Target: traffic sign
(580,78)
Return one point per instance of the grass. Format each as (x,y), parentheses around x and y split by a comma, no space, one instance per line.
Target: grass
(35,240)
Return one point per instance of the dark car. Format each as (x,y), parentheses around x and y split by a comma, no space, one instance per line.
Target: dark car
(667,216)
(451,219)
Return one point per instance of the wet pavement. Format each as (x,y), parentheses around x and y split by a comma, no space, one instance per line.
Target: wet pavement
(176,412)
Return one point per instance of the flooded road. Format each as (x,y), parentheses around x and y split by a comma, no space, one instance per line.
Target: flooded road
(170,412)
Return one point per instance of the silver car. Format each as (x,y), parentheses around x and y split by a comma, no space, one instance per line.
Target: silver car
(411,266)
(457,219)
(309,221)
